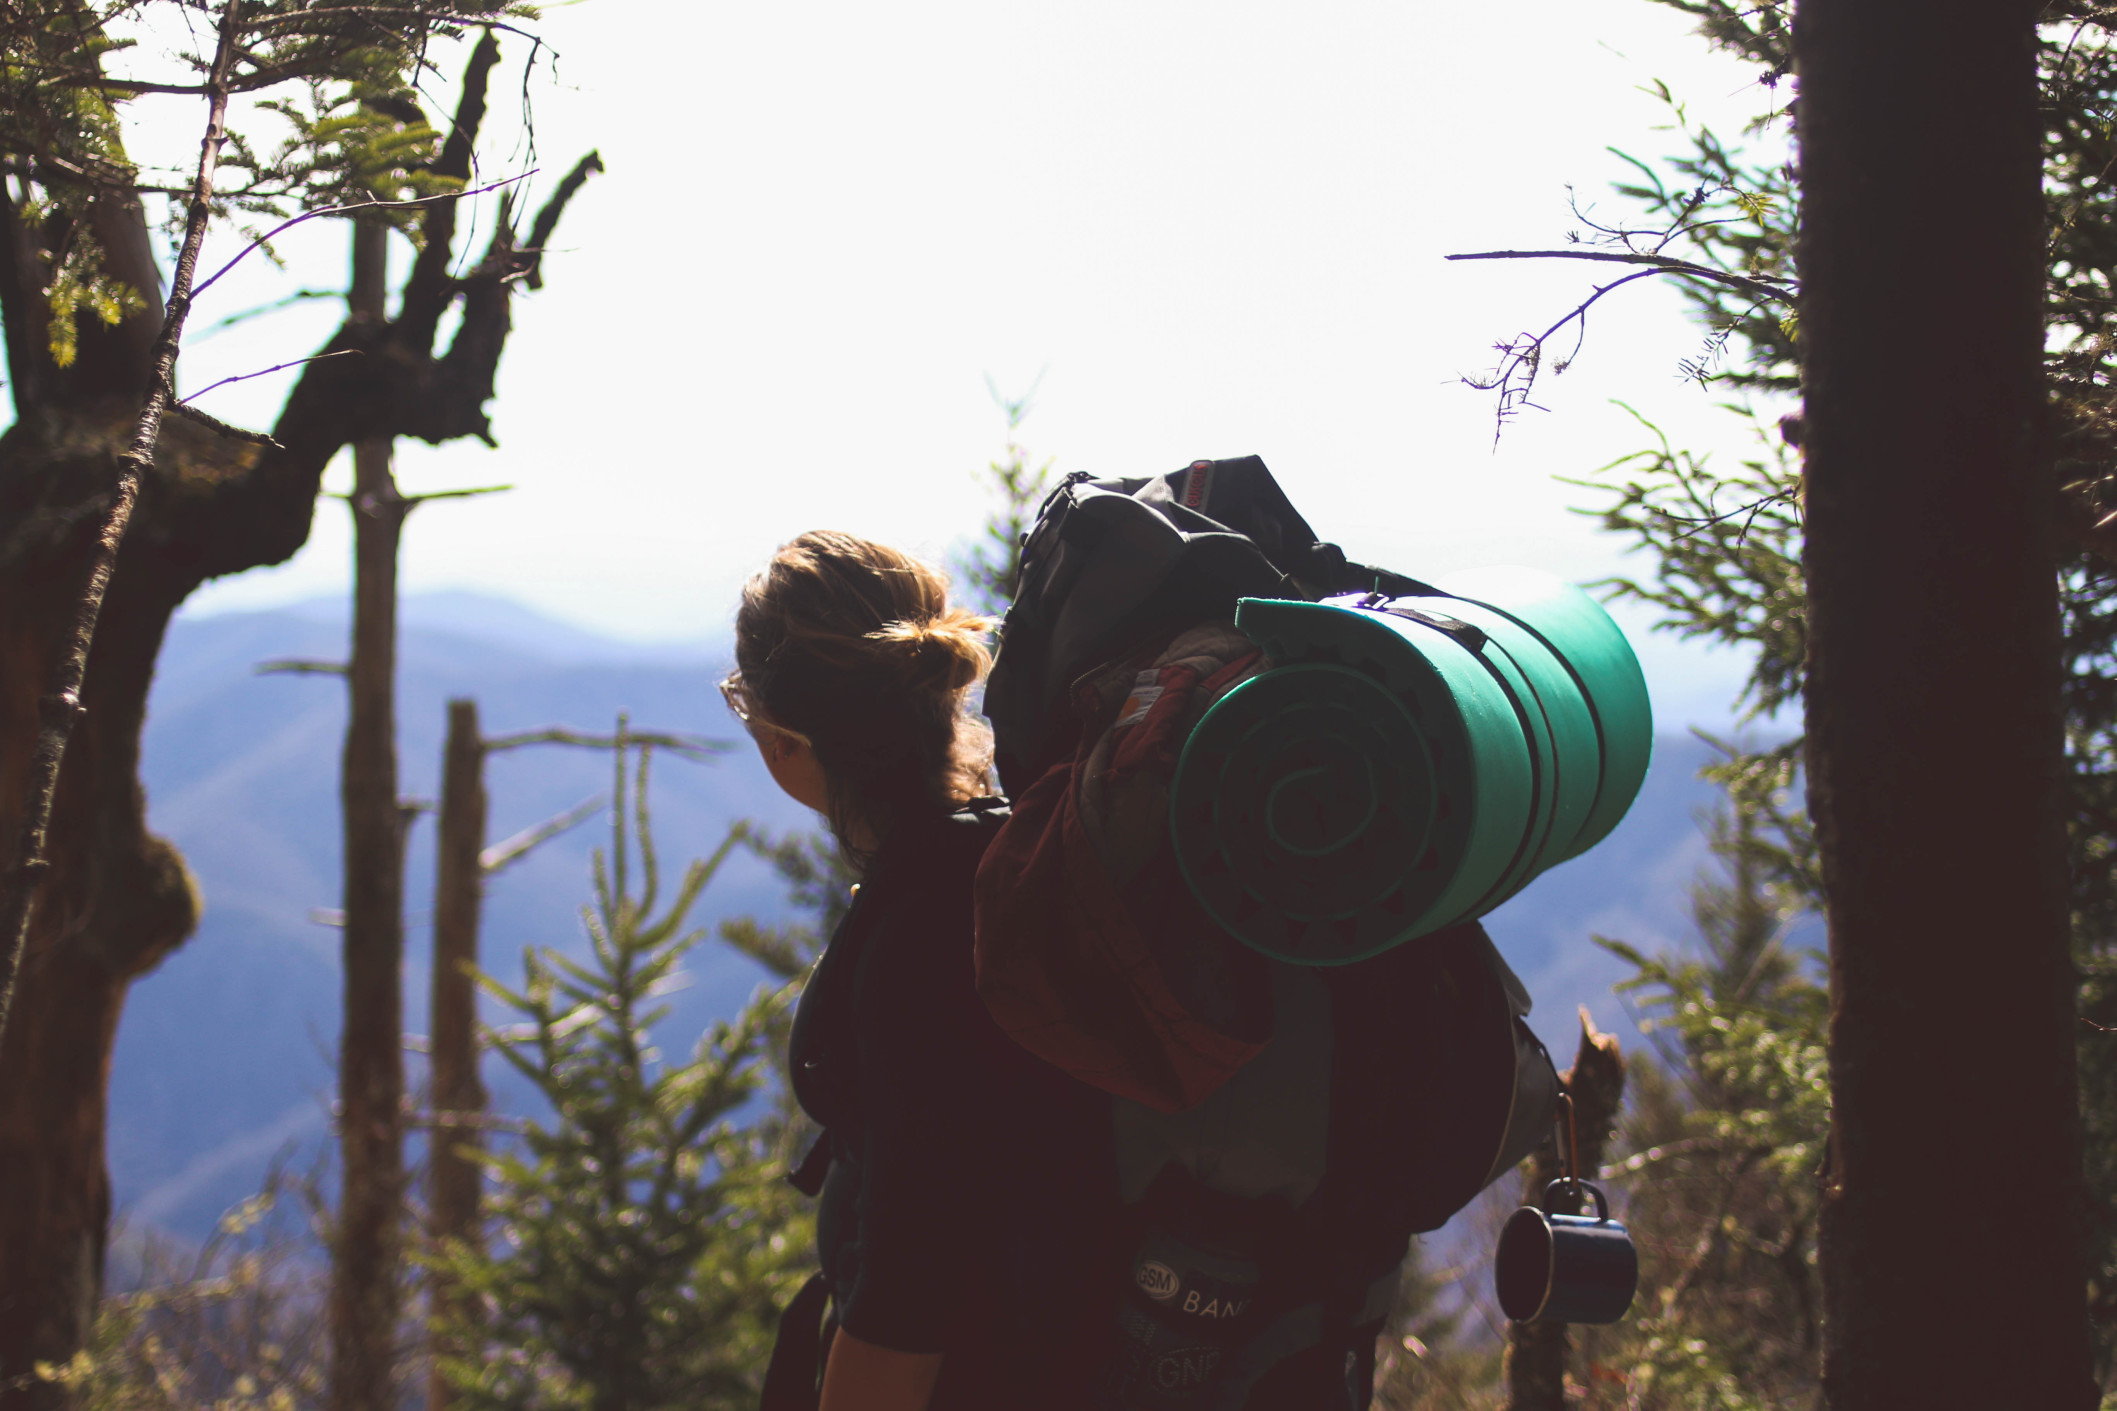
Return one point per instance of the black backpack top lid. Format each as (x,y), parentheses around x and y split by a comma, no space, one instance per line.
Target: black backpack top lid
(1112,563)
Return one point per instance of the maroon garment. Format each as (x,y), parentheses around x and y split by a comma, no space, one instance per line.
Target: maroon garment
(970,1204)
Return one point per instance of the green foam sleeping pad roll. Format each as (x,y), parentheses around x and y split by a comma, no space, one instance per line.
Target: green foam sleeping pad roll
(1407,764)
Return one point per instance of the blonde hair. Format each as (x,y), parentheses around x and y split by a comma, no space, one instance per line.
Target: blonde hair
(854,646)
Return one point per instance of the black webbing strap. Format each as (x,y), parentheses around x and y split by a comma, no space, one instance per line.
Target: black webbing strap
(793,1380)
(1472,638)
(808,1176)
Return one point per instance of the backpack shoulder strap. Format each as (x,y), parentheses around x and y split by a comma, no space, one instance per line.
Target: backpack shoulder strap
(793,1380)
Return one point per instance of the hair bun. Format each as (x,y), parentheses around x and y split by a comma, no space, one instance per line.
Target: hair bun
(946,652)
(854,645)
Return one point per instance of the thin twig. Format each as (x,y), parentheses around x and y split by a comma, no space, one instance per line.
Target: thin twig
(129,87)
(61,706)
(1639,1161)
(268,371)
(1663,264)
(455,494)
(1529,351)
(1710,1237)
(349,209)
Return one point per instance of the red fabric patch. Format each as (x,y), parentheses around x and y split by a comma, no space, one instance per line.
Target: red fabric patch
(1063,962)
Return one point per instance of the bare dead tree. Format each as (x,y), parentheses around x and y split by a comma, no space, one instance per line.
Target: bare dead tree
(456,1093)
(1535,1366)
(367,1245)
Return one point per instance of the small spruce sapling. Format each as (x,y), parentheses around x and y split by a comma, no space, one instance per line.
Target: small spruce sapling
(645,1238)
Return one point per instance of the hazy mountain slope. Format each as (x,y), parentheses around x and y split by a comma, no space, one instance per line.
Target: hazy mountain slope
(226,1054)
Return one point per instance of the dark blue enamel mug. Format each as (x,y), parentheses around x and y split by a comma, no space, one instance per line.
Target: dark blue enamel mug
(1565,1268)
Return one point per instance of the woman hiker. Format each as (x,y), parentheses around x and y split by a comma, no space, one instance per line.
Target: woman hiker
(960,1177)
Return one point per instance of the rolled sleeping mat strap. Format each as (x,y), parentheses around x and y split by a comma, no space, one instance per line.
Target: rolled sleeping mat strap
(1409,763)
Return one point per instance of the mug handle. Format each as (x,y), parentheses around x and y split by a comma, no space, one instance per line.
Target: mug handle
(1602,1206)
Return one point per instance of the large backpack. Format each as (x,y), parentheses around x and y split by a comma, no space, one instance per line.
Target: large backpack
(1320,1116)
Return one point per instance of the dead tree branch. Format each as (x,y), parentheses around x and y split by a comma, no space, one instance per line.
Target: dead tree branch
(548,219)
(690,746)
(428,289)
(352,208)
(1772,290)
(297,666)
(1521,358)
(221,428)
(508,850)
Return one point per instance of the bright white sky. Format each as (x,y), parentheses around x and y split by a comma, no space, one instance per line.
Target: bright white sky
(1211,229)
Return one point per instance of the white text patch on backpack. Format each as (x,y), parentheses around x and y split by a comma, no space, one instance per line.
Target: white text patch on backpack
(1144,694)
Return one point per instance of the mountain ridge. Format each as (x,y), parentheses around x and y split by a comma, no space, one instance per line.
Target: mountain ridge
(225,1060)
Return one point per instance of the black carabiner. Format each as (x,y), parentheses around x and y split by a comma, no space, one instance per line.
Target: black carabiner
(1568,1142)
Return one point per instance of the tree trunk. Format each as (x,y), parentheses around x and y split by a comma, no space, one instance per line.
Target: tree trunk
(1537,1352)
(365,1258)
(117,899)
(1935,765)
(457,1097)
